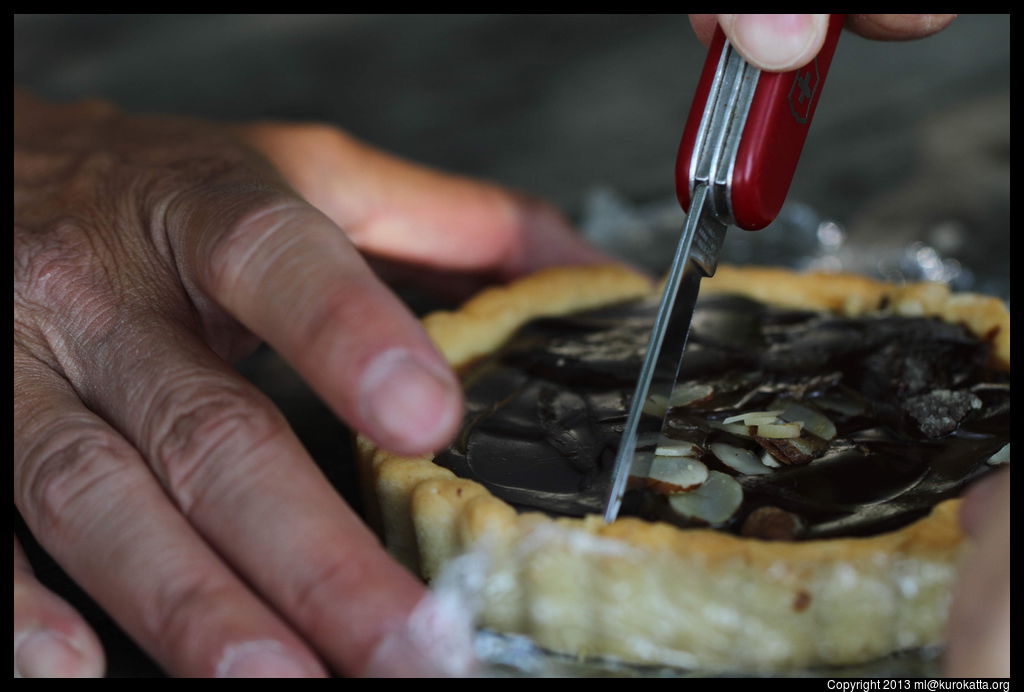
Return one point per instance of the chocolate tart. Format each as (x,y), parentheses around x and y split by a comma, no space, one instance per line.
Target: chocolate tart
(837,554)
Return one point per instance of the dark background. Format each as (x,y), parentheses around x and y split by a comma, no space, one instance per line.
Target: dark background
(909,154)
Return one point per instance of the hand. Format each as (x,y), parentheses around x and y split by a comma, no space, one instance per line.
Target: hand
(783,42)
(147,253)
(979,622)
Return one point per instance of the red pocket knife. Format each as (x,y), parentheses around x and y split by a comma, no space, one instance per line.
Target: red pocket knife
(739,151)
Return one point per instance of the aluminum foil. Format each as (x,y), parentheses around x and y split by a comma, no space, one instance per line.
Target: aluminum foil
(804,239)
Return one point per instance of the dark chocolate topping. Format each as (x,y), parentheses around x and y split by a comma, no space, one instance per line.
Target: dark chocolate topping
(917,414)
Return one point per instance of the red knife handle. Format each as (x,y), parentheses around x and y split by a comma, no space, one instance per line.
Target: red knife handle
(776,127)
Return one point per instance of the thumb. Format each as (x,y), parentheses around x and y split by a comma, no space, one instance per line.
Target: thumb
(776,42)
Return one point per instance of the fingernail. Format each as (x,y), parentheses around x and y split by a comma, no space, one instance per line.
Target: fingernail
(776,41)
(259,659)
(48,654)
(410,404)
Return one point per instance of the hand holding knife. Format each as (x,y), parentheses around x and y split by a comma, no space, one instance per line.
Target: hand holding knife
(737,157)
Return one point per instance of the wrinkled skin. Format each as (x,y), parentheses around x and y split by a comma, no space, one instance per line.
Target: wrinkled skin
(148,254)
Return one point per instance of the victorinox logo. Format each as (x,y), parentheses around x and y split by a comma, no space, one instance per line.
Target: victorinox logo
(801,94)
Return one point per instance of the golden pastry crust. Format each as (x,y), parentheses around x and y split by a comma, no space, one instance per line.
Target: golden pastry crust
(653,593)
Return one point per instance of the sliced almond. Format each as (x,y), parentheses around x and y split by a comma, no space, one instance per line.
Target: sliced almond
(674,474)
(793,451)
(772,524)
(813,421)
(739,459)
(667,447)
(779,430)
(690,393)
(714,501)
(754,417)
(734,428)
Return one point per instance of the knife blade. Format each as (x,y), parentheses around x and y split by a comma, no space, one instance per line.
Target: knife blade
(737,157)
(701,239)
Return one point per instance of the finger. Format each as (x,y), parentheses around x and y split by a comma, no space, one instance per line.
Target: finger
(976,509)
(234,468)
(91,502)
(776,42)
(782,42)
(978,638)
(898,27)
(51,640)
(408,213)
(704,26)
(293,278)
